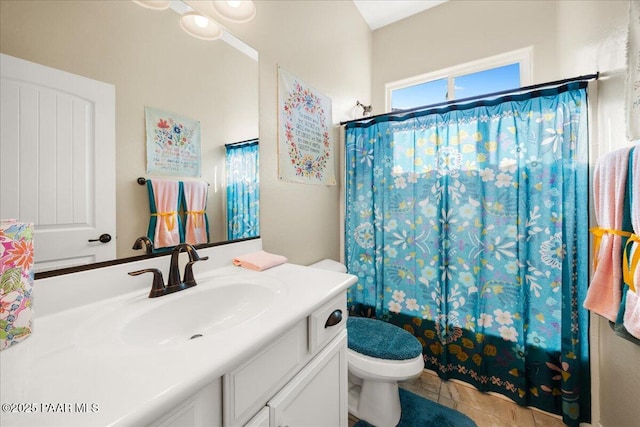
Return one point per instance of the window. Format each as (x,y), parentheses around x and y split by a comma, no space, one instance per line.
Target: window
(502,72)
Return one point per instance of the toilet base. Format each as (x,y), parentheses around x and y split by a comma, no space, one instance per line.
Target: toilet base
(375,402)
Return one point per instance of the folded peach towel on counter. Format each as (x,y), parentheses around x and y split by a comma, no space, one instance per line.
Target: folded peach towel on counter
(259,261)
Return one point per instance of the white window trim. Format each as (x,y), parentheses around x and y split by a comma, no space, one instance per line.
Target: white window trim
(522,56)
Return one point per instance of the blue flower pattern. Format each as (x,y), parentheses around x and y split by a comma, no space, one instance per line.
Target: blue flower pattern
(462,227)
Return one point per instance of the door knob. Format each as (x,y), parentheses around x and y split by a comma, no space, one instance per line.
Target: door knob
(104,238)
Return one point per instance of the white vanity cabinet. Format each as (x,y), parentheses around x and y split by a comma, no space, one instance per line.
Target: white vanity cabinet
(317,396)
(298,380)
(201,410)
(261,419)
(301,377)
(273,360)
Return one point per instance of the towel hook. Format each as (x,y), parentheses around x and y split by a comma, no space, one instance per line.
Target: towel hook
(366,109)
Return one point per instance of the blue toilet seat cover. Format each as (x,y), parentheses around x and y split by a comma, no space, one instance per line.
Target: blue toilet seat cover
(382,340)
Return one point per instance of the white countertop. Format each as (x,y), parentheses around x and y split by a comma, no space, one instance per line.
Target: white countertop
(58,377)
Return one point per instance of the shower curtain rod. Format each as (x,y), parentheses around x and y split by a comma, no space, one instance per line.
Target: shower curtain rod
(587,77)
(240,143)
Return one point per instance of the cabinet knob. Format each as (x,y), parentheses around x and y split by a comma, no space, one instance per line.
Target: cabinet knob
(334,318)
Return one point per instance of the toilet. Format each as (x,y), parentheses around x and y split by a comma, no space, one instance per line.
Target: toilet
(379,356)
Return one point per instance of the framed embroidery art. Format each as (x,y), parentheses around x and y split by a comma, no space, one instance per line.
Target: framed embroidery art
(305,146)
(173,144)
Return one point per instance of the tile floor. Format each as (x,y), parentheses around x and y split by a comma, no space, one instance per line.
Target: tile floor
(486,409)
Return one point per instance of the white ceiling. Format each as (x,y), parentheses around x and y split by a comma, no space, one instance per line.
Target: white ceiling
(379,13)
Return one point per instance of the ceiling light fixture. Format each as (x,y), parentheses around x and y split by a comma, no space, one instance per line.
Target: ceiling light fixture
(154,4)
(239,11)
(200,26)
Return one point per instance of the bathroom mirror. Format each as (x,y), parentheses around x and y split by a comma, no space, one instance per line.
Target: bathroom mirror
(151,62)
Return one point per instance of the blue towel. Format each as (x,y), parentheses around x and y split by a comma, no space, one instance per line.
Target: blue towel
(618,326)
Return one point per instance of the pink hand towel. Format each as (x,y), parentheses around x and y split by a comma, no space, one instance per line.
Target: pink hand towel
(609,182)
(167,231)
(632,309)
(196,224)
(259,261)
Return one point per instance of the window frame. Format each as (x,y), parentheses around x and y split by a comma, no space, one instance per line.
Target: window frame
(523,57)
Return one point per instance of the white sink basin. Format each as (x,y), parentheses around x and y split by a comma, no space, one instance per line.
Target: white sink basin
(216,304)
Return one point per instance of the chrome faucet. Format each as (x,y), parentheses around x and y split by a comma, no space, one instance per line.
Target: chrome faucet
(148,247)
(174,283)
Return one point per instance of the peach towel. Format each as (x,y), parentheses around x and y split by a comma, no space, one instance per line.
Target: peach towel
(609,185)
(167,231)
(259,261)
(632,309)
(196,225)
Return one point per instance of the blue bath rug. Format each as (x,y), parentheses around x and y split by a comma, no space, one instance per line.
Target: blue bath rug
(420,412)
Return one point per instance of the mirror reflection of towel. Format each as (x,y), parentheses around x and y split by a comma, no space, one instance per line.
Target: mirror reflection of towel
(165,225)
(195,205)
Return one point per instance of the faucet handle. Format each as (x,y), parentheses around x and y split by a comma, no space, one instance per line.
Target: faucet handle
(193,254)
(188,271)
(157,286)
(188,278)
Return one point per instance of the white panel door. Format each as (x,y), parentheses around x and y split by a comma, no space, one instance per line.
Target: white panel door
(57,161)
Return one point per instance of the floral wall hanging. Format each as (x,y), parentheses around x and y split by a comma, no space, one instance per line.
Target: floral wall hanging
(305,146)
(173,144)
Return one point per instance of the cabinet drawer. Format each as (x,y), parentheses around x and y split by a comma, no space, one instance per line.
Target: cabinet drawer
(250,386)
(327,321)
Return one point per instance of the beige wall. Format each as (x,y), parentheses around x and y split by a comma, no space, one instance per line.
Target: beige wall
(569,38)
(592,36)
(458,32)
(328,45)
(151,62)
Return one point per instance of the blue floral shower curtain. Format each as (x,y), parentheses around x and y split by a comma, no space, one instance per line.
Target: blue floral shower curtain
(467,226)
(243,190)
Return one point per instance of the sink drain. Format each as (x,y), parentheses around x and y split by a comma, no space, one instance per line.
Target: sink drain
(196,336)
